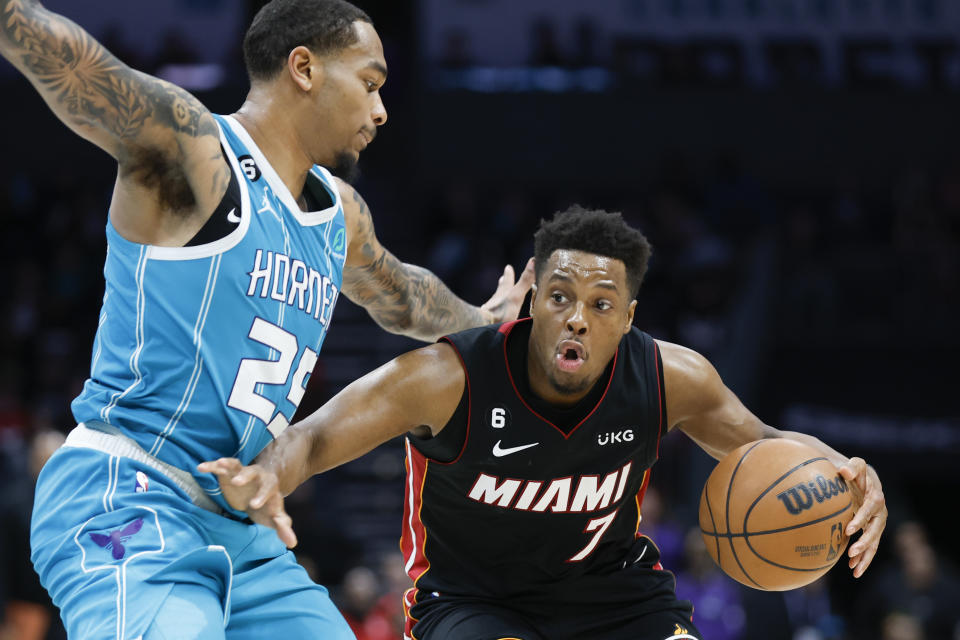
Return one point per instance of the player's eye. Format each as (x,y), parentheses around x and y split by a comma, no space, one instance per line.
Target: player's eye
(603,305)
(558,298)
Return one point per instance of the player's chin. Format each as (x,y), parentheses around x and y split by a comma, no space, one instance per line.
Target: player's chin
(570,383)
(346,165)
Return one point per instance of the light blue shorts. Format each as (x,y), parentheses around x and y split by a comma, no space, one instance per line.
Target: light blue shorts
(125,554)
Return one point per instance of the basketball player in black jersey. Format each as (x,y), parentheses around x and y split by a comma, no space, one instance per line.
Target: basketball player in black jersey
(529,450)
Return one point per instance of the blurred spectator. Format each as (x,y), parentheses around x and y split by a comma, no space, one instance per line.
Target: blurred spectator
(811,613)
(545,49)
(901,626)
(175,49)
(809,294)
(360,603)
(395,583)
(456,50)
(658,524)
(585,36)
(718,612)
(921,589)
(736,204)
(709,280)
(28,613)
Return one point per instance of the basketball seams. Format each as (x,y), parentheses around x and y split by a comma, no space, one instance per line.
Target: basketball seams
(768,554)
(733,476)
(713,521)
(768,532)
(747,536)
(746,517)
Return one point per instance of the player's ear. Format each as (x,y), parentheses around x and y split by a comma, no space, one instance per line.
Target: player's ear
(630,311)
(533,298)
(305,69)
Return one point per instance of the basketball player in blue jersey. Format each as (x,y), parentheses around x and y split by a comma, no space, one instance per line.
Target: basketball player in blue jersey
(529,448)
(229,244)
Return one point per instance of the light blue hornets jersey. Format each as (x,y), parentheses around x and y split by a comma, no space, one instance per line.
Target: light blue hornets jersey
(205,351)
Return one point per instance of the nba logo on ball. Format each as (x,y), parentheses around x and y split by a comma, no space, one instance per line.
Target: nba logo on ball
(773,514)
(143,482)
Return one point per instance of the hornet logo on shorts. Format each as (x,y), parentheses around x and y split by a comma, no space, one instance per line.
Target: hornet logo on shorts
(114,540)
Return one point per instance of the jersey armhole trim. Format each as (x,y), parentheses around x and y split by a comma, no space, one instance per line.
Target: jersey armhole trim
(280,190)
(466,435)
(225,243)
(661,393)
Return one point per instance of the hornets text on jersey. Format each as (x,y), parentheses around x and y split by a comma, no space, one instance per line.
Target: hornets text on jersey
(205,351)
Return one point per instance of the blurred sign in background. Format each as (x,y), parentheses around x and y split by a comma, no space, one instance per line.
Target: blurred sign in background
(761,43)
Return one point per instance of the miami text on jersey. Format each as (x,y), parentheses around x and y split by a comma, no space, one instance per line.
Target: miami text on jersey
(590,493)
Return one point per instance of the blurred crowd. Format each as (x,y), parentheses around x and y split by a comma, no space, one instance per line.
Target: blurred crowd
(846,264)
(847,292)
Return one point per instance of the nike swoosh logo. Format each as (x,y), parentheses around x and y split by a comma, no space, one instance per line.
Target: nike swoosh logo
(233,217)
(499,452)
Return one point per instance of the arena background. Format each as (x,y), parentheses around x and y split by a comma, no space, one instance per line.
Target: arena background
(794,162)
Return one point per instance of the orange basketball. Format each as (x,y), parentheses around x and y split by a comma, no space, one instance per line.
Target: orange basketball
(773,514)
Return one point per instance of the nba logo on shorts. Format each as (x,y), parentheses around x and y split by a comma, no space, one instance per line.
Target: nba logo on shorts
(143,482)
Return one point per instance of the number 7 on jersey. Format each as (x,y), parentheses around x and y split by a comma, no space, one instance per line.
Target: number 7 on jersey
(600,525)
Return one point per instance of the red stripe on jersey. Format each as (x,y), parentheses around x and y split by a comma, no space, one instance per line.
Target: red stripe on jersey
(656,364)
(506,327)
(414,535)
(639,498)
(409,599)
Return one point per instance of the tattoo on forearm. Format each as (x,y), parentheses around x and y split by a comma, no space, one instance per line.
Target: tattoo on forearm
(403,298)
(93,87)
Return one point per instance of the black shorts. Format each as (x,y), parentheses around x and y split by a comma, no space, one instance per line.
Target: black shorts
(636,603)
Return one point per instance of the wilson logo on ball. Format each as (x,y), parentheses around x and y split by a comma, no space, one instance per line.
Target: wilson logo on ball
(799,498)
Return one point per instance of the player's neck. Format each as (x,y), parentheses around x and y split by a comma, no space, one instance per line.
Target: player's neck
(276,137)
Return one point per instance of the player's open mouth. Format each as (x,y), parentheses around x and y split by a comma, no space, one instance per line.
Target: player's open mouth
(570,355)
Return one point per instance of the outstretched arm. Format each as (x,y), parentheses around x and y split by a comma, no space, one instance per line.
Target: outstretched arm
(145,123)
(419,391)
(700,405)
(410,300)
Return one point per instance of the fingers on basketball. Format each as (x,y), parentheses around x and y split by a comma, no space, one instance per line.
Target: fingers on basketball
(774,513)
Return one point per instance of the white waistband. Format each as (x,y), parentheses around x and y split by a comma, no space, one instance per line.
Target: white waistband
(117,444)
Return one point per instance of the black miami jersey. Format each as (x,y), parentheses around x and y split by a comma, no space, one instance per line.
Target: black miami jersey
(526,505)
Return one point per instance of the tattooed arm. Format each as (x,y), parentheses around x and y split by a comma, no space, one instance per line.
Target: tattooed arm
(410,300)
(165,141)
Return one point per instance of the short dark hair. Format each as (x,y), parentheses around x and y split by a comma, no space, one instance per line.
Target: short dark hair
(594,231)
(282,25)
